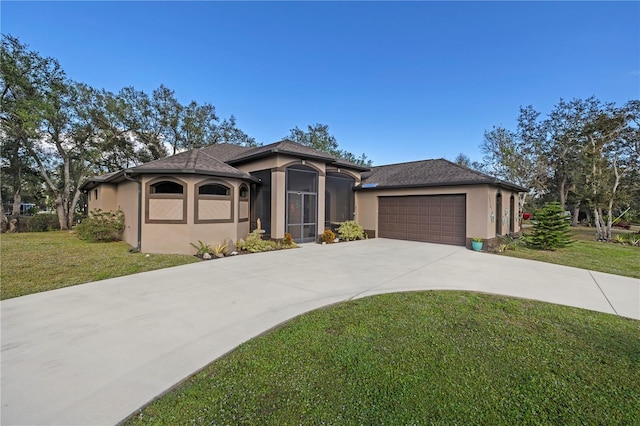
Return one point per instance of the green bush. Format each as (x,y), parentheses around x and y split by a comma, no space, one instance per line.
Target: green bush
(101,226)
(42,222)
(350,230)
(551,229)
(255,244)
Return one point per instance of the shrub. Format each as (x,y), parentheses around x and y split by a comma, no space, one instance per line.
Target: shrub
(42,222)
(551,230)
(255,244)
(287,241)
(327,236)
(350,230)
(101,226)
(201,248)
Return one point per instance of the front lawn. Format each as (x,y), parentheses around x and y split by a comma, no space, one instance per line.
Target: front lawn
(586,253)
(422,358)
(41,261)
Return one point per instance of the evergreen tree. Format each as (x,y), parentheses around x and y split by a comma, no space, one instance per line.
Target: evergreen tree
(551,230)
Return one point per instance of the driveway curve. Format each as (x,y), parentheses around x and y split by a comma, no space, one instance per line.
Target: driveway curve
(95,353)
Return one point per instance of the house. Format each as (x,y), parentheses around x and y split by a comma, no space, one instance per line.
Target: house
(225,191)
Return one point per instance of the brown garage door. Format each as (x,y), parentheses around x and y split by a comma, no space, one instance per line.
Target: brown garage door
(428,218)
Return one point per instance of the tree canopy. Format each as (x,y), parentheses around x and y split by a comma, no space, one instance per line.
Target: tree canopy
(55,132)
(585,154)
(318,137)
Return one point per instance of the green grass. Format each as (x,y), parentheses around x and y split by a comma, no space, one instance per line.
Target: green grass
(422,358)
(586,253)
(41,261)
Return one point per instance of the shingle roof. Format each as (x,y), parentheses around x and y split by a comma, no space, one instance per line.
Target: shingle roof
(289,147)
(194,161)
(438,172)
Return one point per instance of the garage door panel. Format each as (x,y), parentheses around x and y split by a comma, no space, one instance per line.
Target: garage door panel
(428,218)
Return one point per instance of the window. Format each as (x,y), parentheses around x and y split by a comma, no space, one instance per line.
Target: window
(339,199)
(166,187)
(214,189)
(166,201)
(214,202)
(243,203)
(244,191)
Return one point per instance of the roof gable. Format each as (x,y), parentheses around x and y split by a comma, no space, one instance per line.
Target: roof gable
(288,147)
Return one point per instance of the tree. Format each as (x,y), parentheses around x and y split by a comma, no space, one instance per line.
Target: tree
(515,156)
(463,160)
(610,154)
(318,137)
(551,228)
(23,77)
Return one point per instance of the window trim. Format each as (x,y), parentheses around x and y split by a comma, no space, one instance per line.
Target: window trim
(243,199)
(198,197)
(150,196)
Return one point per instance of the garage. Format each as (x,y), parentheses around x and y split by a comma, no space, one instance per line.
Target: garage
(427,218)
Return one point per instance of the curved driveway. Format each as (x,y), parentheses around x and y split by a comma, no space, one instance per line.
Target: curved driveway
(94,353)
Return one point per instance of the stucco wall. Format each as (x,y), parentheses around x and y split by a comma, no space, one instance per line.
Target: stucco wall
(127,201)
(481,204)
(103,197)
(176,238)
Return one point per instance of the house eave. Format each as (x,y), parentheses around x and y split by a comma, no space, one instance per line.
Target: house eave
(496,182)
(276,151)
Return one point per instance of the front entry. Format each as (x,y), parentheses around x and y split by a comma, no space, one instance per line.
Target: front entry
(302,203)
(301,216)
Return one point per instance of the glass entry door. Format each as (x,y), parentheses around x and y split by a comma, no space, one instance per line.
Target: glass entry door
(301,216)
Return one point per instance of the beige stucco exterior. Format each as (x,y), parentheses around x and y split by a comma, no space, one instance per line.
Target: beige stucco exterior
(171,221)
(175,238)
(481,208)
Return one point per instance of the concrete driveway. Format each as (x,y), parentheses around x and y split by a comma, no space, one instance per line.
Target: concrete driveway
(95,353)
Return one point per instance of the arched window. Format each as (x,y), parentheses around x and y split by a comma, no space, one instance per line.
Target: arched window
(244,191)
(166,187)
(214,202)
(243,203)
(214,189)
(166,201)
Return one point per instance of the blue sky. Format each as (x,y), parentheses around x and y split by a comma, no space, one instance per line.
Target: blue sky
(398,81)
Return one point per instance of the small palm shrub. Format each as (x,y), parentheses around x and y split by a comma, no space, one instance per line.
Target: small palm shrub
(327,236)
(101,226)
(551,230)
(350,230)
(201,248)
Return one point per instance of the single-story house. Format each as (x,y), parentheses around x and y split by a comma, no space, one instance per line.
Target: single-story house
(222,192)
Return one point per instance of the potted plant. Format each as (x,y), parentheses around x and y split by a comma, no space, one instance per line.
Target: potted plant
(476,243)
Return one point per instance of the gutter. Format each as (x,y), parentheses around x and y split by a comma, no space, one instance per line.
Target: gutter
(138,247)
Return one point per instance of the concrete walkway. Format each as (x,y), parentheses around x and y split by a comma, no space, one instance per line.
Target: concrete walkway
(95,353)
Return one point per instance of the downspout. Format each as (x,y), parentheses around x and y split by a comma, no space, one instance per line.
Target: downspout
(138,247)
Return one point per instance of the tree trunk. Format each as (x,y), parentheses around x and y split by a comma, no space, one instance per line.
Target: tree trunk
(575,214)
(563,192)
(4,221)
(597,214)
(17,200)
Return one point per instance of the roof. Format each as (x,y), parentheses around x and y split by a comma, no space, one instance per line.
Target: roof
(426,173)
(295,149)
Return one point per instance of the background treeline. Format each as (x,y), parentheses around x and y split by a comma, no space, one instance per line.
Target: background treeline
(55,132)
(584,153)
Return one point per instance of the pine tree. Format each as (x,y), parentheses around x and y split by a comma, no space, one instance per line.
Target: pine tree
(551,230)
